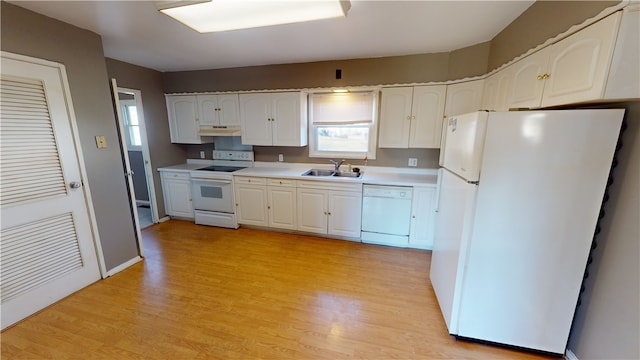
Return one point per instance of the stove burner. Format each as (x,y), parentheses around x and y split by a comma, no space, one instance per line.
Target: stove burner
(221,168)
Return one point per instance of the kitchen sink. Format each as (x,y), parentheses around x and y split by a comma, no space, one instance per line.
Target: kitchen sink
(348,174)
(318,172)
(327,173)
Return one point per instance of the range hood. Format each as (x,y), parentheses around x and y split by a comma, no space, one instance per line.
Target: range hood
(219,131)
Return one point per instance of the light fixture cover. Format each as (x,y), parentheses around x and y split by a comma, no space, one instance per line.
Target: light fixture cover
(223,15)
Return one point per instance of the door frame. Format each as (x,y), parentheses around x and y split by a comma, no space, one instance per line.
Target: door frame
(75,133)
(146,158)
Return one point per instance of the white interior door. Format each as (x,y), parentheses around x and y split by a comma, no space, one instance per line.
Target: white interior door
(47,245)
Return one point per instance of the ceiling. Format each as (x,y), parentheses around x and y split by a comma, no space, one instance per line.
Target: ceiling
(135,32)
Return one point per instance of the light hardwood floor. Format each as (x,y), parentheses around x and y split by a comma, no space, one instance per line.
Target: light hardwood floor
(208,293)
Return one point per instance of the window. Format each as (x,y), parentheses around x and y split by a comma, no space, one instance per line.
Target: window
(131,124)
(343,124)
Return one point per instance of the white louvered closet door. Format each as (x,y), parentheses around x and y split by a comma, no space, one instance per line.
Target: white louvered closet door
(47,248)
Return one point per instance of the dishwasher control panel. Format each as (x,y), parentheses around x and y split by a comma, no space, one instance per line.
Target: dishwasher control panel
(394,192)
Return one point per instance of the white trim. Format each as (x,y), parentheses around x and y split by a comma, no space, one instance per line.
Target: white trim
(143,203)
(123,266)
(166,218)
(93,223)
(569,355)
(146,154)
(122,134)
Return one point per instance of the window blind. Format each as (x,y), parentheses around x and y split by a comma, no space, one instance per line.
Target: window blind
(341,108)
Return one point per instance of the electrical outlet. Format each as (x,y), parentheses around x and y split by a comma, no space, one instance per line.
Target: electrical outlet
(201,154)
(413,162)
(280,157)
(101,142)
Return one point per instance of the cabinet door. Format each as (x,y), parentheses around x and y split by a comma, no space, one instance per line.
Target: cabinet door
(183,119)
(528,84)
(251,205)
(286,119)
(464,98)
(422,218)
(312,210)
(395,117)
(345,213)
(177,195)
(207,110)
(255,119)
(282,207)
(578,65)
(228,110)
(490,92)
(497,89)
(428,112)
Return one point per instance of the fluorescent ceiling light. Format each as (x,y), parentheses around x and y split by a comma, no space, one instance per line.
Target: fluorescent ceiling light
(223,15)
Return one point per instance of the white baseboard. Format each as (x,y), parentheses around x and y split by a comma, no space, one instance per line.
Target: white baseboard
(166,218)
(123,266)
(569,355)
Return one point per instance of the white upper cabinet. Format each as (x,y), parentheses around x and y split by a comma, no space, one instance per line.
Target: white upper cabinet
(183,120)
(411,117)
(464,98)
(278,119)
(572,70)
(497,88)
(579,65)
(219,110)
(624,72)
(526,91)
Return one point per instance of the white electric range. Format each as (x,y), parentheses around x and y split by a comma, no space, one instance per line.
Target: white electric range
(212,188)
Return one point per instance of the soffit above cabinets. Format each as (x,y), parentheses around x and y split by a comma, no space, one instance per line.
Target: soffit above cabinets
(136,32)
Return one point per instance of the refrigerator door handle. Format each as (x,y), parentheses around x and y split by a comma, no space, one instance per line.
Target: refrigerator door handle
(436,203)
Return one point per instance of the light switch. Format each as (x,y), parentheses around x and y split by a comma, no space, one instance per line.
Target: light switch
(413,162)
(101,142)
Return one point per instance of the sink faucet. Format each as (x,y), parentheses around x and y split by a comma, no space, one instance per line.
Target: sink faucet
(337,164)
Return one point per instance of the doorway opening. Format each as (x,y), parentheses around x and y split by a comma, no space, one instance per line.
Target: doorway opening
(136,157)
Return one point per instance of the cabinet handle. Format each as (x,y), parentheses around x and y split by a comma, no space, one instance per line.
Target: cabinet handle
(268,207)
(237,204)
(325,213)
(408,117)
(546,76)
(329,213)
(413,117)
(413,216)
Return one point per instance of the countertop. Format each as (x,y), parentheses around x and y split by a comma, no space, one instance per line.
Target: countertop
(373,175)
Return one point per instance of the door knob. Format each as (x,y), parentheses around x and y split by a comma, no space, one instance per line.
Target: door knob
(75,184)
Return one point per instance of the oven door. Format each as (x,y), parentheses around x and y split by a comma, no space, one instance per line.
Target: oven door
(212,195)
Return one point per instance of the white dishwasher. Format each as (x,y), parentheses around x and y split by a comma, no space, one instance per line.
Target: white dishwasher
(386,215)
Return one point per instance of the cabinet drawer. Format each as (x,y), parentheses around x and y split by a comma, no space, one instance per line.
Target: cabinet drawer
(330,185)
(281,182)
(249,180)
(178,175)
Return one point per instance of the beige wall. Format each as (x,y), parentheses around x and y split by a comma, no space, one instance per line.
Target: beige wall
(27,33)
(542,21)
(149,82)
(607,323)
(466,62)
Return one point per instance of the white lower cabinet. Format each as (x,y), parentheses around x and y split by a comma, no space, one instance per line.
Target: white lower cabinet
(176,190)
(281,203)
(251,200)
(323,209)
(422,218)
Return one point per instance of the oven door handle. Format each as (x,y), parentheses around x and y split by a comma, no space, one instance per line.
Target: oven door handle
(211,181)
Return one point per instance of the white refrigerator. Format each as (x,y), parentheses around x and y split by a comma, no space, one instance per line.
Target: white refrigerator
(518,201)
